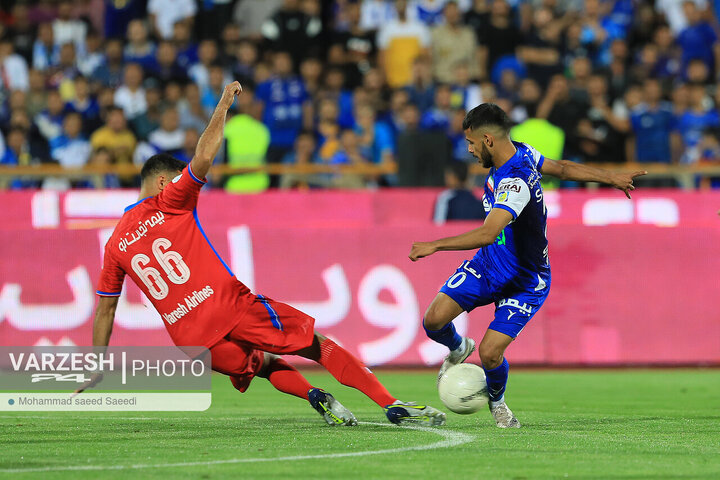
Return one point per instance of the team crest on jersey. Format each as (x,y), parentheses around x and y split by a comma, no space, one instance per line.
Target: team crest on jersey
(177,179)
(502,197)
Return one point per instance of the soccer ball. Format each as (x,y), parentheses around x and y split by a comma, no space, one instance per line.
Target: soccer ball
(462,388)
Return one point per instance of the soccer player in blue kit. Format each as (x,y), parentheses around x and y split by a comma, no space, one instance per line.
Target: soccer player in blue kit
(511,268)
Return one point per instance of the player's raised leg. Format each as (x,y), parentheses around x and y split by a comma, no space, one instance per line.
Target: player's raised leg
(492,351)
(351,372)
(439,327)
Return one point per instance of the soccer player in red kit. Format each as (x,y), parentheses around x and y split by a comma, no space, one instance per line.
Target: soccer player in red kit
(161,246)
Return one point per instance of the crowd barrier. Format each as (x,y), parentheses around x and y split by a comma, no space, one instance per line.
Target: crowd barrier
(633,281)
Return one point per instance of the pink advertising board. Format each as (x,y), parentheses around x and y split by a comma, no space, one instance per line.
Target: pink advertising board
(633,281)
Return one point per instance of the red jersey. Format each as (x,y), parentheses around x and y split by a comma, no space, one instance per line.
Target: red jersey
(160,244)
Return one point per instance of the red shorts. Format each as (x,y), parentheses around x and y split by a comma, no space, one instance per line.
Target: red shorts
(267,326)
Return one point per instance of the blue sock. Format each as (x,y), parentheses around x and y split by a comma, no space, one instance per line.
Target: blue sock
(497,380)
(446,335)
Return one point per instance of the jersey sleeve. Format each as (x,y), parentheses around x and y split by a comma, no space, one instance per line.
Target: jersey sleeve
(512,194)
(111,276)
(182,192)
(537,157)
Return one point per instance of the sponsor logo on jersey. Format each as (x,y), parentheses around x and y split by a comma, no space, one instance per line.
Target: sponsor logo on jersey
(191,301)
(177,179)
(502,197)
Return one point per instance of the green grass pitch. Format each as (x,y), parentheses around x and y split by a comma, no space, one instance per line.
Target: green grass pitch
(599,424)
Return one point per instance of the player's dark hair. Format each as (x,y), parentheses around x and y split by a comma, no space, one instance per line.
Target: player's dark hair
(160,163)
(487,115)
(459,169)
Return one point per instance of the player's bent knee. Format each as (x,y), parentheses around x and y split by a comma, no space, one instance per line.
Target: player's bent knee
(491,356)
(434,319)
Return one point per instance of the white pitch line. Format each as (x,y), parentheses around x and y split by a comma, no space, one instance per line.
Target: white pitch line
(450,439)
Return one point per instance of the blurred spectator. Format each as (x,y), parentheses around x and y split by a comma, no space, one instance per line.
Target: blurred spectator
(66,29)
(110,72)
(17,153)
(400,42)
(92,56)
(13,69)
(191,110)
(169,137)
(50,121)
(653,124)
(251,15)
(420,154)
(243,69)
(303,153)
(354,49)
(148,121)
(457,202)
(164,14)
(457,137)
(131,95)
(210,95)
(46,53)
(22,32)
(139,48)
(699,116)
(311,70)
(37,93)
(190,140)
(84,104)
(285,105)
(229,40)
(499,37)
(466,94)
(540,48)
(115,136)
(453,44)
(375,137)
(437,117)
(247,141)
(422,88)
(602,130)
(698,40)
(376,13)
(102,158)
(563,110)
(292,30)
(668,63)
(166,68)
(334,90)
(187,50)
(208,56)
(62,75)
(71,149)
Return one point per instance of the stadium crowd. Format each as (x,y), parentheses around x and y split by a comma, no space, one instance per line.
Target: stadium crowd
(104,82)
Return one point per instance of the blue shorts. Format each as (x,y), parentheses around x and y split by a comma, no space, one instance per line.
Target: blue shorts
(470,288)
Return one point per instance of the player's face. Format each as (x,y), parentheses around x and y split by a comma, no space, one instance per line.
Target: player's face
(478,149)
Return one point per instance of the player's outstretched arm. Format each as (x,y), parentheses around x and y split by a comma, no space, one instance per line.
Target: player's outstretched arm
(567,170)
(102,328)
(212,138)
(496,220)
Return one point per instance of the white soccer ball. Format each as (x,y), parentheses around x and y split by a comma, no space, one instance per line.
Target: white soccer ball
(462,388)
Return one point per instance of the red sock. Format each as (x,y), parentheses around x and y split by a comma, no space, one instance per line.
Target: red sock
(350,371)
(285,378)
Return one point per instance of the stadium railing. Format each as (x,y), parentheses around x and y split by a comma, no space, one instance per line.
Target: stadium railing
(685,175)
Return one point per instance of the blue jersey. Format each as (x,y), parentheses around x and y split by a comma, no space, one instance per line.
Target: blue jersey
(518,259)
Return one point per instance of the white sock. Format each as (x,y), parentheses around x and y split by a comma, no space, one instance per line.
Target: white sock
(498,402)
